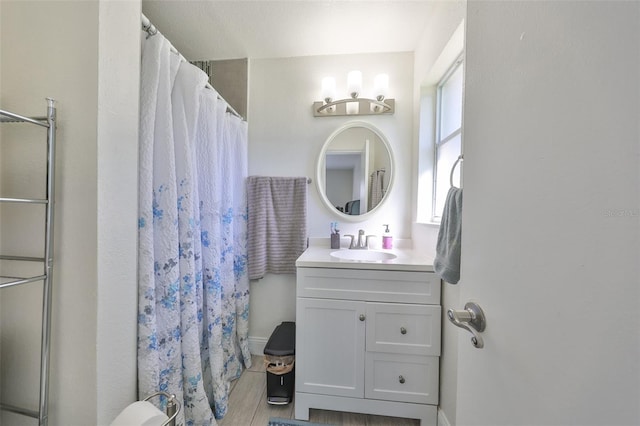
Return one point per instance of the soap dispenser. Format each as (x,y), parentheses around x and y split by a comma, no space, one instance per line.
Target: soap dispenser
(387,239)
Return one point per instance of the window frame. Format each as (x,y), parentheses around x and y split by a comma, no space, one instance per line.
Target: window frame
(438,142)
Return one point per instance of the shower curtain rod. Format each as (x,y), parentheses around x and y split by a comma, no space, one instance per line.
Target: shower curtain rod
(151,30)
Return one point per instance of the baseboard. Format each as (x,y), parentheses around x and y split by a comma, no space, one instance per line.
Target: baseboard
(442,419)
(257,344)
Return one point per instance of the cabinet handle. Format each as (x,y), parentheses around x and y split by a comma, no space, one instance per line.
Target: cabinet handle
(362,317)
(401,379)
(403,330)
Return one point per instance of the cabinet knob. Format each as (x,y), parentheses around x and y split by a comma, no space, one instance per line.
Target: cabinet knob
(401,379)
(403,330)
(362,317)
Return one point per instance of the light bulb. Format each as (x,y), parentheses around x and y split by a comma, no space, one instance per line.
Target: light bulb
(381,86)
(328,89)
(354,83)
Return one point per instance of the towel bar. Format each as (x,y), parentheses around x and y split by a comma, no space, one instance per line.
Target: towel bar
(453,168)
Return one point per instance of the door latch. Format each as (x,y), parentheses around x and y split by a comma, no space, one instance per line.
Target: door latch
(471,319)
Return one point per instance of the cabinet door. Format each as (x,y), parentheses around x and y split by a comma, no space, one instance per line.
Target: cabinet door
(330,347)
(403,328)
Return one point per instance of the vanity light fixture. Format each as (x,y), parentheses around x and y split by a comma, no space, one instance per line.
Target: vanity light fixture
(354,105)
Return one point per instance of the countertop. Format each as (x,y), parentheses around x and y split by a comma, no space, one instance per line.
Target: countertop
(318,255)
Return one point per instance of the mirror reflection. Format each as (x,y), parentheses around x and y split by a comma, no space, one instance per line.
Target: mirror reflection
(355,169)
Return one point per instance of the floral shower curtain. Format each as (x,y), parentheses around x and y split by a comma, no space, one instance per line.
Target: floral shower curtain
(193,287)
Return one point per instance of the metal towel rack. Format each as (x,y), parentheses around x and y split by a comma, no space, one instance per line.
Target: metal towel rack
(453,168)
(45,261)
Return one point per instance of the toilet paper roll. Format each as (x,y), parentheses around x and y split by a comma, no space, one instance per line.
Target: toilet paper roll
(141,413)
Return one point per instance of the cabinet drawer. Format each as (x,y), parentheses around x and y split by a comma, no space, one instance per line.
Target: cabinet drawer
(369,285)
(405,378)
(403,328)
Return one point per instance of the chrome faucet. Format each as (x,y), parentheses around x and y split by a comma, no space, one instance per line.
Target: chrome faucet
(360,245)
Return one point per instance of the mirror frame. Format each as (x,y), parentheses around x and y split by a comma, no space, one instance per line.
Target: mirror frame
(321,164)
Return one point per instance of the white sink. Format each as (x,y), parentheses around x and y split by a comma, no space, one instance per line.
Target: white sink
(363,255)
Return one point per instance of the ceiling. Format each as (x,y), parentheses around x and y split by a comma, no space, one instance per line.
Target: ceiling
(214,29)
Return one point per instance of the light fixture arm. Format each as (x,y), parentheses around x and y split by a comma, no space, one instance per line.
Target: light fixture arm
(366,107)
(354,106)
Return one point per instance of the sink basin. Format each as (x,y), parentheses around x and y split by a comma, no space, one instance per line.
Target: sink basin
(363,255)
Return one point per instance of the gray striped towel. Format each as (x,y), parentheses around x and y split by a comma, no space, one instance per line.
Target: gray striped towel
(277,224)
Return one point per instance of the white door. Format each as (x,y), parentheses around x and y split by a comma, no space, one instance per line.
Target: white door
(551,214)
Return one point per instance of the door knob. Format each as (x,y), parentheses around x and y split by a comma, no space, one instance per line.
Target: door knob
(471,319)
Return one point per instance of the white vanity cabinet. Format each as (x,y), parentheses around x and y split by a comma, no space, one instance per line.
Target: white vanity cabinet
(368,341)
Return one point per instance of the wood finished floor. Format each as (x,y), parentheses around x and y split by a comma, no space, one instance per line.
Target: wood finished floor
(248,406)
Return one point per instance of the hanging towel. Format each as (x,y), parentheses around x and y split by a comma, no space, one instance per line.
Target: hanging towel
(277,224)
(376,188)
(447,260)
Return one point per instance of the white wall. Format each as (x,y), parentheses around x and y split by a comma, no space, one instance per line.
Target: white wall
(61,63)
(85,55)
(440,44)
(285,140)
(117,188)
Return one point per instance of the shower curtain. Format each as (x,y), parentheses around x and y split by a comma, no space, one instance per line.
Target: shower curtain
(193,286)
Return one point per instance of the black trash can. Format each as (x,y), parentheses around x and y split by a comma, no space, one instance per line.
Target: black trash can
(279,358)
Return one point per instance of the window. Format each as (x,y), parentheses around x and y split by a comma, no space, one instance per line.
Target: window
(448,138)
(439,139)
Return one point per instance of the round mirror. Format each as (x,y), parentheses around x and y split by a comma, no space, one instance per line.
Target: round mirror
(355,170)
